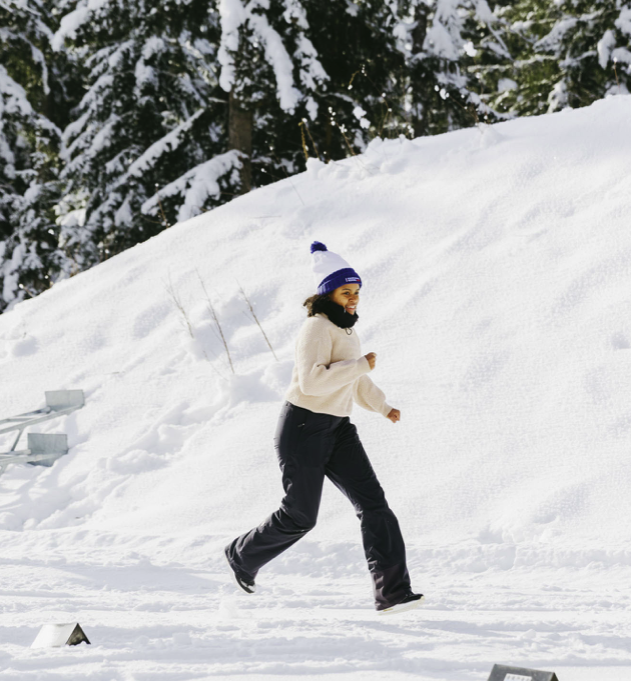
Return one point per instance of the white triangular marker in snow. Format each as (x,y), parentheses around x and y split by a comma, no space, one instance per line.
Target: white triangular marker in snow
(58,635)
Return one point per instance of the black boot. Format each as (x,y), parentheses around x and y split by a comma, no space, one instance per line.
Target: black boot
(409,602)
(244,582)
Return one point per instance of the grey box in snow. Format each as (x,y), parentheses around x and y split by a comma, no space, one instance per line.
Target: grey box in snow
(59,400)
(48,447)
(503,673)
(58,635)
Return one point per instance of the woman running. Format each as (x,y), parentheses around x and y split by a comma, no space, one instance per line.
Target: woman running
(315,438)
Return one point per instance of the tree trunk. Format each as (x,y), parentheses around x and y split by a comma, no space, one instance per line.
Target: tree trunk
(328,139)
(240,123)
(418,40)
(420,29)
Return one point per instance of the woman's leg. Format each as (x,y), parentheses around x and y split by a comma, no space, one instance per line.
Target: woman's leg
(303,441)
(350,470)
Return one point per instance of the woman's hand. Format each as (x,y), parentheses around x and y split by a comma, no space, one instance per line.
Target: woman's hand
(372,359)
(394,415)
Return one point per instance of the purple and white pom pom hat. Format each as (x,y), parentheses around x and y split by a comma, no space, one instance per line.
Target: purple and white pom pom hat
(330,270)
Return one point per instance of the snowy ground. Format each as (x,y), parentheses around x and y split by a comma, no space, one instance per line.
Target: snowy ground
(497,269)
(170,621)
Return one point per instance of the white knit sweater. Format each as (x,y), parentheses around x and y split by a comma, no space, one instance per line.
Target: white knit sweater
(330,371)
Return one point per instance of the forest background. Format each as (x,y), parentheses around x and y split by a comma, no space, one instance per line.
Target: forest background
(119,118)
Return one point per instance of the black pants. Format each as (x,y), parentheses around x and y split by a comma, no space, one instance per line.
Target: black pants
(310,446)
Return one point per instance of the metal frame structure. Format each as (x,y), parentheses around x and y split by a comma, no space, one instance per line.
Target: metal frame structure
(501,672)
(43,449)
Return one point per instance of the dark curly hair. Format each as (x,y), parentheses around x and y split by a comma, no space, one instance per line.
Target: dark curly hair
(316,303)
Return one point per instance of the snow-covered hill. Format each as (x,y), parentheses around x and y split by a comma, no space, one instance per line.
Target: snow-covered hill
(497,270)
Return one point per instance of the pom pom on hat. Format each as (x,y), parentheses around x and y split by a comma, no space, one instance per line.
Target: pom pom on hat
(331,270)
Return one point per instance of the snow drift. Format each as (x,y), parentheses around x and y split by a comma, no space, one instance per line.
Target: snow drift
(496,269)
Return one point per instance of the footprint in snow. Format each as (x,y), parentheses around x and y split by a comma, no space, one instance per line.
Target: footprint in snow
(26,346)
(620,342)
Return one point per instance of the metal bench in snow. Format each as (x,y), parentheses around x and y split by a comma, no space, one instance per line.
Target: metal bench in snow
(43,450)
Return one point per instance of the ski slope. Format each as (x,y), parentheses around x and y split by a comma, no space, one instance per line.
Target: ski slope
(497,295)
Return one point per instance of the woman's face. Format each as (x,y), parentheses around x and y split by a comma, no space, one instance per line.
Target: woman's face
(347,296)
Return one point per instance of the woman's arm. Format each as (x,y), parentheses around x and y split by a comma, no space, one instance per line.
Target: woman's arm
(367,395)
(317,375)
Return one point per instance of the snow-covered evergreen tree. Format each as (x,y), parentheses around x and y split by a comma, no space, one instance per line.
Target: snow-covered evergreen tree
(29,257)
(170,109)
(570,53)
(358,48)
(149,121)
(271,73)
(185,97)
(614,49)
(450,46)
(580,43)
(310,78)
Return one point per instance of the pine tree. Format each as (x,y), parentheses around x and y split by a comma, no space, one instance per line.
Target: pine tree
(145,147)
(365,91)
(310,79)
(571,53)
(450,47)
(271,73)
(29,256)
(582,30)
(613,48)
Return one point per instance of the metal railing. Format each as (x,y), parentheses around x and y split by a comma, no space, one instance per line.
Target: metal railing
(42,449)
